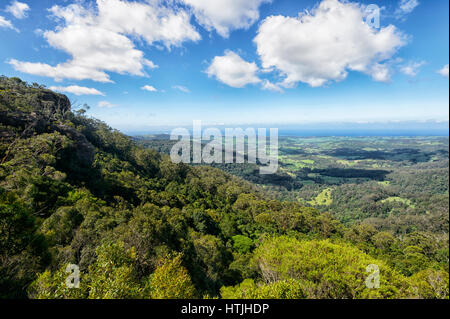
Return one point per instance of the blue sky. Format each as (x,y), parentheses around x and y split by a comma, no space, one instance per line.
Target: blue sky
(145,64)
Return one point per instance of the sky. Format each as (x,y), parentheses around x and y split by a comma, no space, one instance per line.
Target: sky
(146,64)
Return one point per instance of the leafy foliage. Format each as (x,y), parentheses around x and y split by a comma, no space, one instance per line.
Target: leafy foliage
(74,191)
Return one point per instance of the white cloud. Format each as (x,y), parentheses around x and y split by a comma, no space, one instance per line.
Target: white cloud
(98,39)
(411,68)
(323,45)
(77,90)
(269,86)
(406,6)
(380,72)
(68,70)
(6,24)
(106,104)
(152,21)
(444,71)
(149,88)
(181,88)
(232,70)
(226,15)
(18,9)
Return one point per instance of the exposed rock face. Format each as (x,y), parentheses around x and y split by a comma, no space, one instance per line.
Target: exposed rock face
(29,110)
(54,101)
(18,95)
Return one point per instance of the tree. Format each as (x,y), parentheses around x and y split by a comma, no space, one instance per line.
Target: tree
(328,269)
(23,251)
(171,280)
(242,244)
(113,274)
(430,284)
(284,289)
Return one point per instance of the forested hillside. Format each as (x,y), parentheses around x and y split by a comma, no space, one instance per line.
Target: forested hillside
(75,191)
(395,184)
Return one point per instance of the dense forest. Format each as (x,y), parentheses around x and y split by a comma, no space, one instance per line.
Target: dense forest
(75,191)
(395,184)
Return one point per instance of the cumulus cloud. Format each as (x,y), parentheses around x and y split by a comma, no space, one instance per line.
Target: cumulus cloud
(77,90)
(18,9)
(411,68)
(226,15)
(106,104)
(181,88)
(152,21)
(68,70)
(98,39)
(323,45)
(406,6)
(232,70)
(444,71)
(6,24)
(149,88)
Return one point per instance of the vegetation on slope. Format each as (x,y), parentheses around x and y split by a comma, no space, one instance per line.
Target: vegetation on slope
(74,191)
